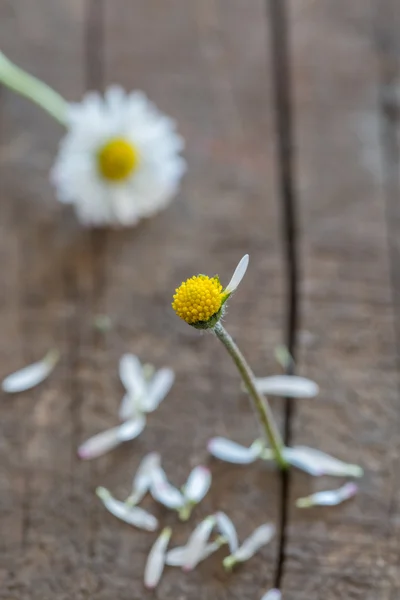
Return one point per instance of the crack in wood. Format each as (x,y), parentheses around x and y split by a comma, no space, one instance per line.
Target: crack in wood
(277,17)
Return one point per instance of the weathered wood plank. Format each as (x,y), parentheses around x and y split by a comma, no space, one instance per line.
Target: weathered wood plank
(349,551)
(194,65)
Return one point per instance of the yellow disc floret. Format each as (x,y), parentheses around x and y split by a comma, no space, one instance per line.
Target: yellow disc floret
(198,299)
(117,159)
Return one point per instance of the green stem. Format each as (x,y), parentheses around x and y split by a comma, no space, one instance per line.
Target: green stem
(260,402)
(21,82)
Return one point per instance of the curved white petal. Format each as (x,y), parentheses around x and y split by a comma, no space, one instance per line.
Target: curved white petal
(288,386)
(197,485)
(272,595)
(156,559)
(232,452)
(143,477)
(129,430)
(177,556)
(167,495)
(318,463)
(157,389)
(197,542)
(228,531)
(238,275)
(30,376)
(133,515)
(329,497)
(259,538)
(99,444)
(131,375)
(128,407)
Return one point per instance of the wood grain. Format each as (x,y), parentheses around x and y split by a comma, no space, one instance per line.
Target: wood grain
(349,343)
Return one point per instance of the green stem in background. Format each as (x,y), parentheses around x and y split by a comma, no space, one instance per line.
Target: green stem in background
(21,82)
(260,402)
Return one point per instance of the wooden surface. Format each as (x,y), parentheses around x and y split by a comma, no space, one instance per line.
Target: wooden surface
(207,64)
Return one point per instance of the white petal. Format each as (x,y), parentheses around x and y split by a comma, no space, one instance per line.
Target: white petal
(106,440)
(288,386)
(227,529)
(272,595)
(329,497)
(232,452)
(32,375)
(238,275)
(131,429)
(128,408)
(143,477)
(167,495)
(318,463)
(99,444)
(157,389)
(259,538)
(198,484)
(197,543)
(129,514)
(156,559)
(131,375)
(177,556)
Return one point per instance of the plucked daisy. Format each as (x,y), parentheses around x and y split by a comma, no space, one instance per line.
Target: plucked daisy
(119,161)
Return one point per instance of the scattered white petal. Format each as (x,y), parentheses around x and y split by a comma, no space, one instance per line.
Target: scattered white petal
(197,485)
(232,452)
(176,557)
(197,542)
(143,477)
(128,408)
(288,386)
(167,495)
(329,497)
(32,375)
(131,375)
(228,531)
(106,440)
(157,389)
(272,595)
(259,538)
(318,463)
(238,275)
(156,559)
(129,514)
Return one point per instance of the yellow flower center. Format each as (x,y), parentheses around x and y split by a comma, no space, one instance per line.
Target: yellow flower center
(117,159)
(198,299)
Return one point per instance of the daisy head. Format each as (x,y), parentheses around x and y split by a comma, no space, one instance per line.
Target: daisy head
(119,161)
(200,300)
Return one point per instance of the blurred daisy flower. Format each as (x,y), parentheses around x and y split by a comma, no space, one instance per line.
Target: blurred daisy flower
(120,159)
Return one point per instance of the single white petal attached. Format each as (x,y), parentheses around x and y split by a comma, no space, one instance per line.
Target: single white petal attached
(232,452)
(167,495)
(157,389)
(177,556)
(329,497)
(288,386)
(143,477)
(259,538)
(129,514)
(156,559)
(131,375)
(197,542)
(197,485)
(32,375)
(238,275)
(318,463)
(228,531)
(272,595)
(106,440)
